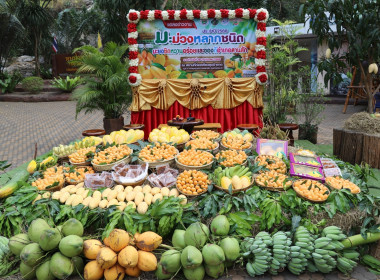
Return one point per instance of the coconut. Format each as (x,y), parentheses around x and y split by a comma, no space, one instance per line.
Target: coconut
(215,271)
(72,227)
(60,266)
(36,228)
(231,248)
(71,245)
(197,273)
(27,272)
(91,248)
(117,272)
(31,254)
(196,235)
(49,239)
(178,239)
(220,225)
(161,274)
(43,271)
(213,254)
(191,257)
(18,242)
(78,265)
(171,261)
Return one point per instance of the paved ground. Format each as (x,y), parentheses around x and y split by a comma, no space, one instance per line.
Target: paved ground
(53,123)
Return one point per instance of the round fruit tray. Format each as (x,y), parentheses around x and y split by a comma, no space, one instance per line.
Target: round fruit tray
(214,151)
(332,186)
(304,197)
(75,182)
(154,164)
(190,195)
(86,163)
(233,191)
(107,167)
(275,189)
(189,167)
(281,169)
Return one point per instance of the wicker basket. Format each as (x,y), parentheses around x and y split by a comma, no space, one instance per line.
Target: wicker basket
(276,159)
(154,164)
(214,139)
(107,167)
(214,151)
(86,163)
(188,167)
(75,182)
(332,187)
(190,195)
(137,183)
(56,188)
(270,188)
(233,191)
(222,147)
(308,199)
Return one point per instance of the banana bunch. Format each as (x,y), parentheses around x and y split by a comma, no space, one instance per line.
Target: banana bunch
(372,263)
(324,253)
(259,256)
(334,233)
(265,236)
(64,150)
(301,252)
(347,261)
(281,251)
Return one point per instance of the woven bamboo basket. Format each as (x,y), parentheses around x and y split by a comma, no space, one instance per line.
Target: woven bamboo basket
(188,167)
(190,195)
(270,188)
(107,167)
(75,182)
(311,200)
(214,151)
(233,191)
(86,163)
(154,164)
(334,188)
(222,147)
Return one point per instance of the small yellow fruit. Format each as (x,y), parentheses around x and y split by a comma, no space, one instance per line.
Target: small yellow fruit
(147,261)
(133,271)
(148,241)
(32,167)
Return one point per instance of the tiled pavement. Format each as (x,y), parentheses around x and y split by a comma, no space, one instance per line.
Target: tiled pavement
(53,123)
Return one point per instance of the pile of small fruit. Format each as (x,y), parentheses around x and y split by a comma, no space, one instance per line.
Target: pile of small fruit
(236,142)
(120,255)
(205,133)
(273,132)
(272,163)
(339,183)
(311,190)
(77,175)
(112,154)
(157,152)
(201,144)
(230,158)
(123,137)
(192,182)
(272,179)
(138,197)
(169,134)
(81,155)
(48,182)
(194,158)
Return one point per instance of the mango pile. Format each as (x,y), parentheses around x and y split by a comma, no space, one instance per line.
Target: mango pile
(205,133)
(340,183)
(271,163)
(311,189)
(120,254)
(123,137)
(169,134)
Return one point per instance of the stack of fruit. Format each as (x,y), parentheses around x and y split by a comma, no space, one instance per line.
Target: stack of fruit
(229,158)
(138,197)
(205,133)
(234,178)
(192,182)
(64,150)
(169,134)
(239,134)
(273,180)
(157,152)
(202,144)
(119,256)
(88,142)
(235,142)
(311,190)
(81,156)
(195,158)
(111,155)
(34,166)
(51,178)
(339,183)
(194,256)
(272,163)
(273,132)
(77,175)
(48,253)
(123,137)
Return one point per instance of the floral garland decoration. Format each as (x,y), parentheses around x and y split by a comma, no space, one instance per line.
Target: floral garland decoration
(260,16)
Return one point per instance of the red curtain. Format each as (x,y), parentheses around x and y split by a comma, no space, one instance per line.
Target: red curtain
(228,118)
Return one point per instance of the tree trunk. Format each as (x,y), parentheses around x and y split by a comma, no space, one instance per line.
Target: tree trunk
(36,54)
(368,85)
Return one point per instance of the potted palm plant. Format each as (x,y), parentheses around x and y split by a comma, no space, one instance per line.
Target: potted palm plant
(106,88)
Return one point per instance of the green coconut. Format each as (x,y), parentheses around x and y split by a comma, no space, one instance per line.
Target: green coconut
(196,235)
(213,254)
(60,266)
(72,227)
(27,272)
(197,273)
(215,271)
(43,271)
(78,265)
(229,264)
(50,239)
(161,274)
(220,225)
(171,261)
(32,254)
(71,245)
(36,228)
(191,257)
(178,239)
(18,242)
(231,248)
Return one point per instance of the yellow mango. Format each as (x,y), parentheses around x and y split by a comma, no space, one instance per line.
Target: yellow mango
(225,182)
(158,73)
(220,74)
(146,74)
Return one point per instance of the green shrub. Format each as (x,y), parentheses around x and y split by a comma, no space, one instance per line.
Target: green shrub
(33,84)
(8,82)
(68,84)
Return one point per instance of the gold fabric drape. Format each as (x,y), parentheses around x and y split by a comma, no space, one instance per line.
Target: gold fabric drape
(220,93)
